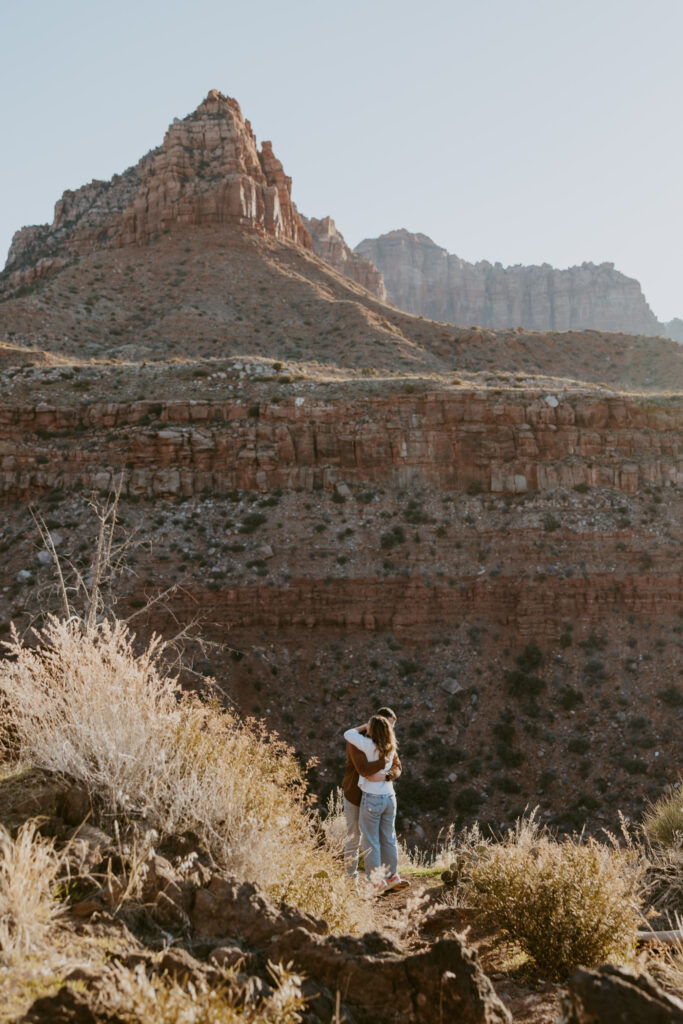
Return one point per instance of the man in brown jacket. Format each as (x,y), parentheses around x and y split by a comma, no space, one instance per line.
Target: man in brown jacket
(358,764)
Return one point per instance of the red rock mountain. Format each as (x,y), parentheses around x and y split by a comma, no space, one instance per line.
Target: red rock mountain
(208,171)
(423,278)
(329,244)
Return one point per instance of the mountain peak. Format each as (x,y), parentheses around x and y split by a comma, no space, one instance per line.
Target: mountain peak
(208,171)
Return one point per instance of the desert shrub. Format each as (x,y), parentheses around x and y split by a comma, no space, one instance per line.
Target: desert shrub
(530,659)
(251,521)
(671,696)
(566,903)
(392,537)
(663,820)
(84,705)
(28,909)
(468,800)
(520,684)
(570,697)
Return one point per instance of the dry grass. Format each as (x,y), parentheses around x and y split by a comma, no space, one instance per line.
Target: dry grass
(28,910)
(84,705)
(158,1000)
(663,820)
(566,904)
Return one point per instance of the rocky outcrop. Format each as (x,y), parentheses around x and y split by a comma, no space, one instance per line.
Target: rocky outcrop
(207,171)
(329,244)
(674,329)
(423,278)
(613,994)
(454,440)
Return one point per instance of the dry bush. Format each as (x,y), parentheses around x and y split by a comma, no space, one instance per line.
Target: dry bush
(155,1000)
(28,910)
(663,820)
(84,705)
(566,903)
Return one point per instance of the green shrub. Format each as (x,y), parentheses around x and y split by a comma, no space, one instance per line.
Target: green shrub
(566,903)
(391,538)
(520,684)
(468,800)
(251,521)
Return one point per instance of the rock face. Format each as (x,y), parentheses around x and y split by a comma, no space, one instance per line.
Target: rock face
(423,278)
(329,244)
(207,171)
(451,440)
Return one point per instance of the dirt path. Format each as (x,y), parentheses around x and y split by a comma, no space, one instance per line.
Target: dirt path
(529,999)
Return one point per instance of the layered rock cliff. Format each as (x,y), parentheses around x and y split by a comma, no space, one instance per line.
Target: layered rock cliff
(423,278)
(208,171)
(454,441)
(329,244)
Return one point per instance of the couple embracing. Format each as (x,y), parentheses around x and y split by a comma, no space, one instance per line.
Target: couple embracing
(372,764)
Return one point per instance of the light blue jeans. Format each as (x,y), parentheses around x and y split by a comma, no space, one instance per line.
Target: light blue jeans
(377,822)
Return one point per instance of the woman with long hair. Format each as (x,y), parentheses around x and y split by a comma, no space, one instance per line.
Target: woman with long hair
(377,817)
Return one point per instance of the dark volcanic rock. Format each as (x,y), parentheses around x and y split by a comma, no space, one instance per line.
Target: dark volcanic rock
(615,995)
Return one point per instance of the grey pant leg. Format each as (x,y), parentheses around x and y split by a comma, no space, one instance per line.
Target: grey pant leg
(352,844)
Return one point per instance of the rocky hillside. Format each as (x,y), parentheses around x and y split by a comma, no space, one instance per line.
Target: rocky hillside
(423,278)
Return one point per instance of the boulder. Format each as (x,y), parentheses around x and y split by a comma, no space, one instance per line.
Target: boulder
(616,995)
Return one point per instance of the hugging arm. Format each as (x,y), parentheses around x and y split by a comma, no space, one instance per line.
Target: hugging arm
(395,770)
(362,765)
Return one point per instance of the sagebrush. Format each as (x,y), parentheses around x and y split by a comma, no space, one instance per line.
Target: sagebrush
(566,903)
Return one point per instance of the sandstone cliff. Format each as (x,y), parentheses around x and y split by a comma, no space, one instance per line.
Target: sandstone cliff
(423,278)
(208,171)
(329,244)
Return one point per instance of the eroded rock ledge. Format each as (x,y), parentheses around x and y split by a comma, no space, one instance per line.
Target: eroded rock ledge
(454,440)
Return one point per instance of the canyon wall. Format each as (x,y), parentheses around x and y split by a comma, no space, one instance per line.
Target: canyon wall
(423,278)
(453,440)
(207,171)
(329,244)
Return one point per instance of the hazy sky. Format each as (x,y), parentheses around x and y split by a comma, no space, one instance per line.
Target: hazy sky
(524,131)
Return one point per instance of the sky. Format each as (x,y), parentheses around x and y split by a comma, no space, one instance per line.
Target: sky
(519,131)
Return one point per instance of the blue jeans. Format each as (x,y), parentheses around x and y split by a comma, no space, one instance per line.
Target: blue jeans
(377,822)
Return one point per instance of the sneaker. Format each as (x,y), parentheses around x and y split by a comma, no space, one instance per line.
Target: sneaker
(379,888)
(396,882)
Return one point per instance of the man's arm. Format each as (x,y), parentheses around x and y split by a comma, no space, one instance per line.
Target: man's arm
(395,770)
(361,764)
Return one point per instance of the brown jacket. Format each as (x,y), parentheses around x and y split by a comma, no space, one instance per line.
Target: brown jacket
(358,764)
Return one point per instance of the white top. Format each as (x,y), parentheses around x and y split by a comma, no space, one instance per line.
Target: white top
(365,744)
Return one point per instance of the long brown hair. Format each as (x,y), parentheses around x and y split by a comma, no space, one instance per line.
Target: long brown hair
(382,735)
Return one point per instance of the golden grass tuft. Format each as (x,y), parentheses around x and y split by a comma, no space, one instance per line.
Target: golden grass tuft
(161,1000)
(28,910)
(663,820)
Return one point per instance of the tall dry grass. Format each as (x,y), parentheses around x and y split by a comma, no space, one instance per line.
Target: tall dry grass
(663,819)
(28,910)
(83,704)
(162,1000)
